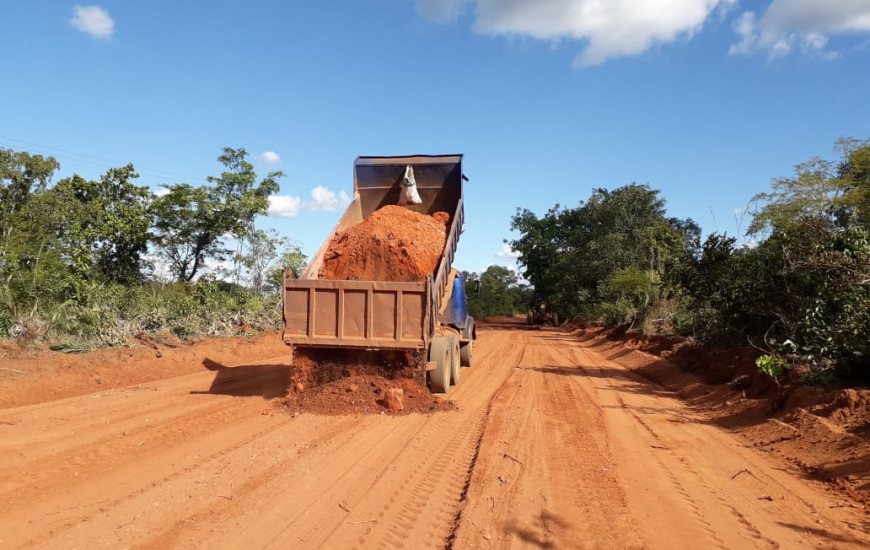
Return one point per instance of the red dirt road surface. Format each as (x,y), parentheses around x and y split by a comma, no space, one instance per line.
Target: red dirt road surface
(554,442)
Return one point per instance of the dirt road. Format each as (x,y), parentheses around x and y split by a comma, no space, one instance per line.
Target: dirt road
(553,445)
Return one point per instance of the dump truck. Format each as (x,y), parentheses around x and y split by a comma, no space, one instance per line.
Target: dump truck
(428,316)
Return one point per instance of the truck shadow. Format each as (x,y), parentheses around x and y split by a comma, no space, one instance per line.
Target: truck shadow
(550,524)
(266,381)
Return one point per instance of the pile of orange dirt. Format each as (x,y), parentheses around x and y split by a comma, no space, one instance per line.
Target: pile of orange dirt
(365,394)
(347,381)
(393,244)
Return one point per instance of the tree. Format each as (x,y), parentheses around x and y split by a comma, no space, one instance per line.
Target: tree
(501,293)
(292,259)
(567,253)
(819,189)
(22,174)
(34,266)
(265,258)
(854,180)
(542,241)
(191,221)
(108,227)
(243,198)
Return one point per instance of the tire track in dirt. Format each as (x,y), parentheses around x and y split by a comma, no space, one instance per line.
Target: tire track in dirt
(751,534)
(697,458)
(543,470)
(106,448)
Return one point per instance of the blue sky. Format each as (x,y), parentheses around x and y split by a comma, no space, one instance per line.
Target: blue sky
(706,100)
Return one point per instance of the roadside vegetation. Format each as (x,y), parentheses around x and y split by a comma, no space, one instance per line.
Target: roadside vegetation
(87,264)
(501,292)
(798,288)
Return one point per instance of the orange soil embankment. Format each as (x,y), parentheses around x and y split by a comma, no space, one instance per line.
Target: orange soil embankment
(48,375)
(393,244)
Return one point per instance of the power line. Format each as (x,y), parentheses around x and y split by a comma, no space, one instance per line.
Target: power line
(105,163)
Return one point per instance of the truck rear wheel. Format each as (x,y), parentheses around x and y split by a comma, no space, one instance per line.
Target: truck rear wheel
(440,352)
(455,361)
(530,318)
(465,349)
(555,319)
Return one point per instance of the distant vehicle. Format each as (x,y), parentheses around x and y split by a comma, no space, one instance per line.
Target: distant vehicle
(542,312)
(429,315)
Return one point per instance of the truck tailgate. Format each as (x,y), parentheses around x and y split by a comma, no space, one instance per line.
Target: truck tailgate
(355,314)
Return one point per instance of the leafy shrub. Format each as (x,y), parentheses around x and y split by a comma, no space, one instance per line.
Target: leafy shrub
(771,365)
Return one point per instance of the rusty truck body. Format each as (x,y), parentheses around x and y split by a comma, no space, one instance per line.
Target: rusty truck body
(428,316)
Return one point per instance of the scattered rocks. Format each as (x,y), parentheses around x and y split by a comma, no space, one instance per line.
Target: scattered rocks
(393,399)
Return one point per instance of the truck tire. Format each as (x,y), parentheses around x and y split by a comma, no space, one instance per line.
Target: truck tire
(465,358)
(530,318)
(440,352)
(555,319)
(455,361)
(468,334)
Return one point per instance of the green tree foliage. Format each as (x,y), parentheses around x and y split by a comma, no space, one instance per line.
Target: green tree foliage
(293,260)
(21,175)
(107,230)
(820,188)
(34,264)
(854,180)
(501,293)
(826,317)
(31,258)
(627,294)
(190,222)
(265,257)
(804,291)
(568,252)
(72,255)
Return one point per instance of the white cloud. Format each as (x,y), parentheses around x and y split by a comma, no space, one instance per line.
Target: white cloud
(271,157)
(322,199)
(326,200)
(161,192)
(804,25)
(507,253)
(94,21)
(610,29)
(284,206)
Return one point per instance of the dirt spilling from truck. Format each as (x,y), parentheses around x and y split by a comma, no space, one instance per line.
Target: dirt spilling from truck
(393,244)
(366,394)
(346,381)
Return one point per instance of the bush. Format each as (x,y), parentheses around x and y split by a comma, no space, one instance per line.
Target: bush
(107,315)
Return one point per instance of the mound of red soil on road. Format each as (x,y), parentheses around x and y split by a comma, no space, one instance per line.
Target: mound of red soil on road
(365,394)
(393,244)
(347,381)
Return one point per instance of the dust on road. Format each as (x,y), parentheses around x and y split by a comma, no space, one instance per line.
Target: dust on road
(551,445)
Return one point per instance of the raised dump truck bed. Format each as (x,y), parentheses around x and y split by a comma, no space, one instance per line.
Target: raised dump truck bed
(375,315)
